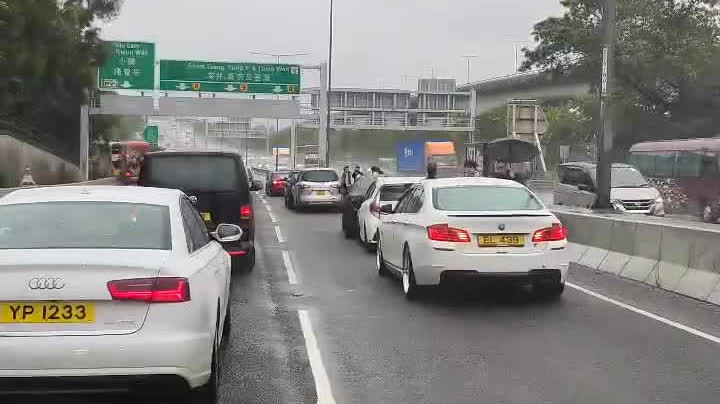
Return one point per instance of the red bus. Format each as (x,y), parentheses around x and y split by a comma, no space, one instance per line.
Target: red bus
(127,158)
(689,169)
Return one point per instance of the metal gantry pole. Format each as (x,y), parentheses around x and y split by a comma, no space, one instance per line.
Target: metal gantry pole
(329,90)
(607,111)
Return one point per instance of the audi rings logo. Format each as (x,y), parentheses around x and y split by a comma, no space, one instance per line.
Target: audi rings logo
(193,198)
(46,283)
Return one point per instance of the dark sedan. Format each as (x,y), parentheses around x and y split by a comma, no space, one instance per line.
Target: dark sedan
(351,202)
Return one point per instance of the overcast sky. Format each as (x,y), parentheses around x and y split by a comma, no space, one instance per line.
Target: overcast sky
(377,42)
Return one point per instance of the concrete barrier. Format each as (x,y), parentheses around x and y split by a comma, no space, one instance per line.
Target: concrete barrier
(47,168)
(679,258)
(102,181)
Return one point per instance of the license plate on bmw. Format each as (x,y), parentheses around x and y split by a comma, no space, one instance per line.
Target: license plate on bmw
(321,193)
(47,312)
(501,240)
(206,216)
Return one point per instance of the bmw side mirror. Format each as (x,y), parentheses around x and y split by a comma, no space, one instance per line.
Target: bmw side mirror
(386,209)
(227,233)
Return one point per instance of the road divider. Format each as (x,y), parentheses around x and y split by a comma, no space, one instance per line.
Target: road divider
(679,258)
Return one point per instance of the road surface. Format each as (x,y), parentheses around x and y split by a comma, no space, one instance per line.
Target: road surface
(314,323)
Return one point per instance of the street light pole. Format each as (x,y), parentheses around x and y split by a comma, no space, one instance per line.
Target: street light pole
(329,88)
(607,110)
(467,58)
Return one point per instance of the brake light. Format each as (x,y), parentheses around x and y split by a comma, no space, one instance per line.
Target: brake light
(375,209)
(245,212)
(277,182)
(557,232)
(151,290)
(443,232)
(128,174)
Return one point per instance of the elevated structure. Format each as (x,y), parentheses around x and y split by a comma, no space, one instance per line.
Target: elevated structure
(435,106)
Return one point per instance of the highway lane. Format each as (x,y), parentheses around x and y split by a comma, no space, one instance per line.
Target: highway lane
(264,360)
(493,344)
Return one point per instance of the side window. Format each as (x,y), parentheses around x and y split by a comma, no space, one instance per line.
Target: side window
(585,179)
(186,213)
(194,227)
(417,201)
(404,201)
(370,191)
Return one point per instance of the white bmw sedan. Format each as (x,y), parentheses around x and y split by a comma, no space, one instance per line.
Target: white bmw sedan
(110,287)
(459,229)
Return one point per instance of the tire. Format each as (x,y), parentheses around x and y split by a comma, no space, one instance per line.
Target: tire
(380,262)
(410,288)
(549,289)
(227,327)
(369,247)
(208,394)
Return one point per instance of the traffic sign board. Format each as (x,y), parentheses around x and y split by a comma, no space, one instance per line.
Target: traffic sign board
(219,77)
(151,134)
(130,66)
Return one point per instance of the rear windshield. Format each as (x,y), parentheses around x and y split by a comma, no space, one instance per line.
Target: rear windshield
(280,175)
(484,199)
(193,173)
(393,192)
(320,176)
(84,225)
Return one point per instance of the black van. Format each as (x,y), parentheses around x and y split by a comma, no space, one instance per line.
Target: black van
(218,185)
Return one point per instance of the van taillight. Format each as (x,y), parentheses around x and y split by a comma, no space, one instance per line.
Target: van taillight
(245,212)
(443,232)
(151,290)
(557,232)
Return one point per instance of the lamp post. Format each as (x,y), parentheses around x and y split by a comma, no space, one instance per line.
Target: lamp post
(467,58)
(607,111)
(329,88)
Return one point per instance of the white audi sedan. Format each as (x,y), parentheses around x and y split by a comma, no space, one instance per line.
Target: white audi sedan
(111,287)
(460,229)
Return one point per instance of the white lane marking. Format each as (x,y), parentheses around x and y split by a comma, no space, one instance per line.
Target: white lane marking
(664,320)
(289,267)
(322,383)
(279,234)
(272,217)
(268,207)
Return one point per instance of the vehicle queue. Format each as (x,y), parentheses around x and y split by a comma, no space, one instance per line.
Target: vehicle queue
(432,232)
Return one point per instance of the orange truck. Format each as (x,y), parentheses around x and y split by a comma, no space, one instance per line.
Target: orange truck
(443,154)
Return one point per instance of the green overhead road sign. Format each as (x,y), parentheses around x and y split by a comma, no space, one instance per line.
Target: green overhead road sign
(130,66)
(220,77)
(151,134)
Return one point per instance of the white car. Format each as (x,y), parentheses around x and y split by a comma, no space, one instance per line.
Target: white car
(385,190)
(111,285)
(459,229)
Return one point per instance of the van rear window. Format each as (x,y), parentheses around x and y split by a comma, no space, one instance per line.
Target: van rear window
(192,173)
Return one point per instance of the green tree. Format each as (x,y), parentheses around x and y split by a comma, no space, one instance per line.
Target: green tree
(49,53)
(666,62)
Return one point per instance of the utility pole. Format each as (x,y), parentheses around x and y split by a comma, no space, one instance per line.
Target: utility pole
(329,90)
(607,111)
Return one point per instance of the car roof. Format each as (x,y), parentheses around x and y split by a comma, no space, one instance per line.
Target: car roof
(193,153)
(317,169)
(97,193)
(398,180)
(475,181)
(591,165)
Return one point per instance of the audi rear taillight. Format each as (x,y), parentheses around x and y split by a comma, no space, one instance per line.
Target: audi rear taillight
(557,232)
(443,232)
(151,290)
(245,212)
(375,209)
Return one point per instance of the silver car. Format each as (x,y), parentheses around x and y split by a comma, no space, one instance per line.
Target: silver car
(631,193)
(315,187)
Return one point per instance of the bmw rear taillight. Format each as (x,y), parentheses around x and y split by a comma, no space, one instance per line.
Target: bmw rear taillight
(245,212)
(443,232)
(151,290)
(557,232)
(375,209)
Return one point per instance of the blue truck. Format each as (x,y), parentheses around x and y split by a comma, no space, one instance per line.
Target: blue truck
(413,156)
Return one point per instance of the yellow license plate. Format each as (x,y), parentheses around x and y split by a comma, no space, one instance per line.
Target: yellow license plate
(48,312)
(206,216)
(501,240)
(321,193)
